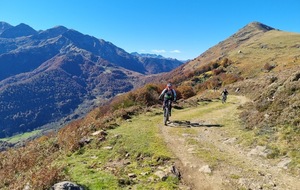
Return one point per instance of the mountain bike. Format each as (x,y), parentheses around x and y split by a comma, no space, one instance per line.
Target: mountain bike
(167,111)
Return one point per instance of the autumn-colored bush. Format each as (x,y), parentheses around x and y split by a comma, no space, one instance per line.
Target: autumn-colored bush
(185,92)
(123,101)
(68,137)
(45,177)
(225,62)
(214,65)
(201,70)
(30,164)
(218,71)
(146,96)
(213,83)
(229,78)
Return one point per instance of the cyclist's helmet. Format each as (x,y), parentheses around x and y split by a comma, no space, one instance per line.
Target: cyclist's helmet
(169,85)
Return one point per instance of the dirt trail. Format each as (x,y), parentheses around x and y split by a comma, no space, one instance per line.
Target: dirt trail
(211,158)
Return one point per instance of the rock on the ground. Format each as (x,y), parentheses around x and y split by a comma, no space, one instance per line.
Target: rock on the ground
(66,185)
(205,169)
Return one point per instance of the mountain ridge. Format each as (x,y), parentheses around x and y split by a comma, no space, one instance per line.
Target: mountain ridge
(4,26)
(92,70)
(220,50)
(18,31)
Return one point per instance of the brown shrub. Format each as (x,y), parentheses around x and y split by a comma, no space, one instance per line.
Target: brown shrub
(22,165)
(45,177)
(225,62)
(146,96)
(69,136)
(213,83)
(214,65)
(185,92)
(201,86)
(229,78)
(218,71)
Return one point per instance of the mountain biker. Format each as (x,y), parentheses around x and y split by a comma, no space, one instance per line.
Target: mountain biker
(168,94)
(224,95)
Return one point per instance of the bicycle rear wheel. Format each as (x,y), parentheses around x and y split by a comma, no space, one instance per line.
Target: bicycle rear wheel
(224,99)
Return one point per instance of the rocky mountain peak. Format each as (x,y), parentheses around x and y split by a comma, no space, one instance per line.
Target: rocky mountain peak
(147,55)
(4,26)
(53,32)
(18,31)
(258,26)
(251,30)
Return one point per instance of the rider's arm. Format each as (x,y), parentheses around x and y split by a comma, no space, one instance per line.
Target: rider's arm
(162,94)
(175,95)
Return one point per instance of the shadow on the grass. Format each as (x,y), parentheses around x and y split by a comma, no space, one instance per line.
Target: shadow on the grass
(178,123)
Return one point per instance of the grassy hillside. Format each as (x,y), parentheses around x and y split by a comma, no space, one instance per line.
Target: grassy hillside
(107,144)
(263,64)
(278,49)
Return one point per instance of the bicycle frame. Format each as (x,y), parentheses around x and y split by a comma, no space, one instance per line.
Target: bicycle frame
(167,109)
(224,98)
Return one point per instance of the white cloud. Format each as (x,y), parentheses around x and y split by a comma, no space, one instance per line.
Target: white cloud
(175,51)
(158,51)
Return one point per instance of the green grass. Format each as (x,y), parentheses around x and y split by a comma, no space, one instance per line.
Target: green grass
(20,137)
(138,143)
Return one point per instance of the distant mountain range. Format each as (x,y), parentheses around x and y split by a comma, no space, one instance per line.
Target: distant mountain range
(61,73)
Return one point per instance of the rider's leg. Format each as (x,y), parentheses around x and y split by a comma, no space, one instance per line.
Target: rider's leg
(164,103)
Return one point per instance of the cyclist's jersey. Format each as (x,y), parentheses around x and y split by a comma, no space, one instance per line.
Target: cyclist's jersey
(169,94)
(225,93)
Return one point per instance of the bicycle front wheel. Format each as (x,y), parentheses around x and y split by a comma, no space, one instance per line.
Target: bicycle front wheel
(166,115)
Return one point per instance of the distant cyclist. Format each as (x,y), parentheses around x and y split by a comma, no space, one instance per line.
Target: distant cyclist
(224,95)
(168,94)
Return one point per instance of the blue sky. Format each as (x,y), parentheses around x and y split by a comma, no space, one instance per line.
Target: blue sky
(181,29)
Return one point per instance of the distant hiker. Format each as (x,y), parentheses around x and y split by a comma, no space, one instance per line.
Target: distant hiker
(224,95)
(168,94)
